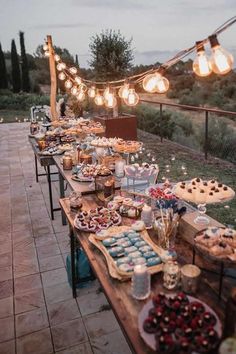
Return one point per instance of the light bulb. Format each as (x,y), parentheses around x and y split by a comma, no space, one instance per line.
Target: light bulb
(110,100)
(47,54)
(162,84)
(68,84)
(132,98)
(201,65)
(74,90)
(92,92)
(221,61)
(61,66)
(124,91)
(155,83)
(106,92)
(61,76)
(45,47)
(73,70)
(99,100)
(57,57)
(78,80)
(83,87)
(80,96)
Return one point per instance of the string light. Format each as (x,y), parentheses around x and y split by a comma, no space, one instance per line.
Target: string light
(45,47)
(61,66)
(106,92)
(61,76)
(99,99)
(83,87)
(73,70)
(80,96)
(110,99)
(124,91)
(132,99)
(68,84)
(221,60)
(201,65)
(78,80)
(74,90)
(57,57)
(47,54)
(156,83)
(92,92)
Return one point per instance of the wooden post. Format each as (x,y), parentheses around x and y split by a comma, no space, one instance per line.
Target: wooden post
(53,76)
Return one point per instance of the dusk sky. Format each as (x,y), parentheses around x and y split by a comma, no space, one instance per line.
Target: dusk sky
(159,28)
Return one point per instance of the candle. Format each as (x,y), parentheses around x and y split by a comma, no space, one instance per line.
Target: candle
(141,282)
(119,168)
(109,188)
(67,163)
(147,215)
(171,275)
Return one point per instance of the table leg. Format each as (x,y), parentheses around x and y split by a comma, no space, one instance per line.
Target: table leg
(36,168)
(50,191)
(194,254)
(221,279)
(62,195)
(72,255)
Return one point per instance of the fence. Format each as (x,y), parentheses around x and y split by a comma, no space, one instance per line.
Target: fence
(207,112)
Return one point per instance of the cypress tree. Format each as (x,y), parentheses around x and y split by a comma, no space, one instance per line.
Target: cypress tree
(76,59)
(3,71)
(24,65)
(15,68)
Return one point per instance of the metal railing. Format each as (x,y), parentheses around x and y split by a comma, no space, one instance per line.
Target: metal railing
(205,110)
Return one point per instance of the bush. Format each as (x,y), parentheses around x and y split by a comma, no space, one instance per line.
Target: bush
(221,139)
(22,101)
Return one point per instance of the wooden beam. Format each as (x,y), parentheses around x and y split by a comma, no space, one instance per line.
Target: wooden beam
(53,77)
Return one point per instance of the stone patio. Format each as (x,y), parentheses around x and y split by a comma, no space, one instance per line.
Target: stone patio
(37,312)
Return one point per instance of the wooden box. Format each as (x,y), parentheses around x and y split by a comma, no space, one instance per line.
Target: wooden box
(124,126)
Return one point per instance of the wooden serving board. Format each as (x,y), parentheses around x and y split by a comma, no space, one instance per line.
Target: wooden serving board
(114,271)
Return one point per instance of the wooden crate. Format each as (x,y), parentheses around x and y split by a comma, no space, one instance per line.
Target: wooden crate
(123,126)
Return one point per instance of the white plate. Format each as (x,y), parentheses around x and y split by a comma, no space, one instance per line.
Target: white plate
(150,340)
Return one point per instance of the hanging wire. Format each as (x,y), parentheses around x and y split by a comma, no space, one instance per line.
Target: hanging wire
(137,78)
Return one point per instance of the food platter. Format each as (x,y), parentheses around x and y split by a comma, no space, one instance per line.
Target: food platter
(117,267)
(219,248)
(151,338)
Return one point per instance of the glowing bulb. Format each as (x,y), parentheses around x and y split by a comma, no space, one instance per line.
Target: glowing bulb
(106,92)
(68,84)
(155,83)
(78,80)
(47,54)
(110,100)
(124,91)
(61,66)
(57,57)
(99,100)
(92,92)
(221,61)
(73,70)
(83,87)
(61,76)
(45,47)
(81,96)
(74,90)
(132,98)
(201,65)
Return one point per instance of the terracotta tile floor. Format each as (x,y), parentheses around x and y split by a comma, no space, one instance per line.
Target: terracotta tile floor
(37,312)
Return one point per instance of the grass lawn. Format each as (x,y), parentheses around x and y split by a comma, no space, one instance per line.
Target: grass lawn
(11,116)
(195,166)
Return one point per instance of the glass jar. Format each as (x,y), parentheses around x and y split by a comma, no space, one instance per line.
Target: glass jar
(105,187)
(171,275)
(34,127)
(85,158)
(67,162)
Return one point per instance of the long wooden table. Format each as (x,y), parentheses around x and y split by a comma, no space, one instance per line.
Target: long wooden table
(118,293)
(46,162)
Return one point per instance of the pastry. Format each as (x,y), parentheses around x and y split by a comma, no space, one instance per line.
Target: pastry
(221,249)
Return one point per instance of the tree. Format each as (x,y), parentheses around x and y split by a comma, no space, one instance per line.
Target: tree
(76,60)
(63,52)
(3,71)
(15,68)
(24,65)
(112,55)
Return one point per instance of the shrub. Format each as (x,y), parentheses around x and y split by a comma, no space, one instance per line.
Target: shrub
(22,101)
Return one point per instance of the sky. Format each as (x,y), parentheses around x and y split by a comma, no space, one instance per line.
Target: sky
(159,28)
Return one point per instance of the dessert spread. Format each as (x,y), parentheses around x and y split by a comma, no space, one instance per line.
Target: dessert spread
(203,192)
(96,219)
(128,146)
